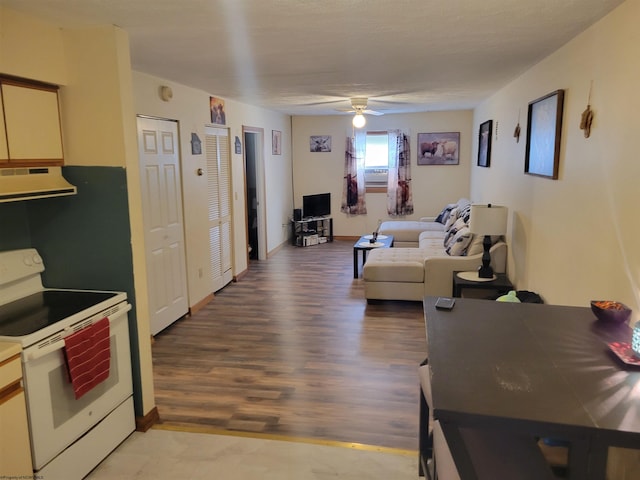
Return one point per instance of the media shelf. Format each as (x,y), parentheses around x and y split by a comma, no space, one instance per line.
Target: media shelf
(312,231)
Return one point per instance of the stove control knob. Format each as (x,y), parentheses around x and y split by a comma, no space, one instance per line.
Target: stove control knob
(27,261)
(37,259)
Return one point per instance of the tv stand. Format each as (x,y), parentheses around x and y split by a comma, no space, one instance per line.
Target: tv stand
(312,231)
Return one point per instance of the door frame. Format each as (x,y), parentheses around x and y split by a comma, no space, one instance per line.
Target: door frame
(260,191)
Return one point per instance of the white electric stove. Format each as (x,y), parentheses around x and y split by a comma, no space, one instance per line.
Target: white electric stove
(69,437)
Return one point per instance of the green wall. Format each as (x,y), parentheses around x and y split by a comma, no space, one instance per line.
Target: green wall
(84,239)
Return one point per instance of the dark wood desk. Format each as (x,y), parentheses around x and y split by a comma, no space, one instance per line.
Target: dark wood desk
(541,370)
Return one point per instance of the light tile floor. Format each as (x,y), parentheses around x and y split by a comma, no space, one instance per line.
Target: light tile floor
(162,454)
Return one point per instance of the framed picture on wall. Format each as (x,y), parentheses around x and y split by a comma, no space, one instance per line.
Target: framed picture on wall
(544,127)
(320,143)
(484,143)
(439,148)
(218,115)
(276,142)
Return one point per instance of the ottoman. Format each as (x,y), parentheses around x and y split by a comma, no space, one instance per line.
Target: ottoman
(394,274)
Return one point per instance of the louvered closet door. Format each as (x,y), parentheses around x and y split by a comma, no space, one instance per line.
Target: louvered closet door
(219,205)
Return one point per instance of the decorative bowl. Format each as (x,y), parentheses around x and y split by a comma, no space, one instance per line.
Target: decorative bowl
(610,311)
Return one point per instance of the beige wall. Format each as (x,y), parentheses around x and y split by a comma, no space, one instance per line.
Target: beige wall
(96,104)
(576,238)
(93,68)
(433,186)
(190,107)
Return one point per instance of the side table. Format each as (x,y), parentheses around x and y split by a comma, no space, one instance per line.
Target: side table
(363,245)
(499,286)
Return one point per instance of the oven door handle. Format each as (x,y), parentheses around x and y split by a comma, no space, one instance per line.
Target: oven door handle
(59,344)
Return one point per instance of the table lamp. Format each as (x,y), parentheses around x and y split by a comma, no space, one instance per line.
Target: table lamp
(487,220)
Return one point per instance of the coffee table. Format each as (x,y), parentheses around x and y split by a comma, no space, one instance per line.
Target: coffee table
(364,245)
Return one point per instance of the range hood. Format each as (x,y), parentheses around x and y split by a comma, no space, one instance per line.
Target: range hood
(27,183)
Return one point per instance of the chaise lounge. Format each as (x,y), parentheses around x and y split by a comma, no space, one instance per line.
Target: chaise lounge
(425,255)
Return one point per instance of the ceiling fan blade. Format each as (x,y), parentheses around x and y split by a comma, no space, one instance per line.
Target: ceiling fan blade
(372,112)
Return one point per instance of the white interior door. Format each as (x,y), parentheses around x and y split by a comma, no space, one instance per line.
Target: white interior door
(162,212)
(217,149)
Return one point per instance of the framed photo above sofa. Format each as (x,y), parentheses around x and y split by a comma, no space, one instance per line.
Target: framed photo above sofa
(544,127)
(439,148)
(484,143)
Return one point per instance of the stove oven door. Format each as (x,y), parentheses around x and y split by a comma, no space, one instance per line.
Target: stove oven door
(56,418)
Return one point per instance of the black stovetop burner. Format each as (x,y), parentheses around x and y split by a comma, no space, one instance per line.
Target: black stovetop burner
(39,310)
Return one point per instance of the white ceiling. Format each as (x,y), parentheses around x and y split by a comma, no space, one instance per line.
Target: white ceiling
(310,56)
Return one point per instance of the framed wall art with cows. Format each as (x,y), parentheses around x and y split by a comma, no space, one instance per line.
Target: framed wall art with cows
(439,148)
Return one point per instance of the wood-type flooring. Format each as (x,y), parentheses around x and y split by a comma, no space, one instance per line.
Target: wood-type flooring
(294,350)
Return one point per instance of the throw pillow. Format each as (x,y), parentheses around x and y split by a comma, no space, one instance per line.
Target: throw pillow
(460,242)
(465,213)
(453,216)
(444,214)
(455,228)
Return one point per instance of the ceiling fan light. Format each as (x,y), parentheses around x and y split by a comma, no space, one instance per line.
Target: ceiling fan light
(359,121)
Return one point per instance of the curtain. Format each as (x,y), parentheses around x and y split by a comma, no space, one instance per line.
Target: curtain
(399,196)
(353,191)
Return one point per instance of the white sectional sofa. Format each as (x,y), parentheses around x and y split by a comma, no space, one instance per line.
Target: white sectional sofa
(425,255)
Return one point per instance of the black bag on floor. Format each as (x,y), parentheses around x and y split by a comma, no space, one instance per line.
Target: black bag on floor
(526,296)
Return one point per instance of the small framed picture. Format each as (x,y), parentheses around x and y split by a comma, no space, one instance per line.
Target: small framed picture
(439,148)
(484,143)
(544,127)
(218,115)
(276,142)
(196,144)
(320,143)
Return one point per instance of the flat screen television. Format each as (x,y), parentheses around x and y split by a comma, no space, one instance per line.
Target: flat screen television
(316,205)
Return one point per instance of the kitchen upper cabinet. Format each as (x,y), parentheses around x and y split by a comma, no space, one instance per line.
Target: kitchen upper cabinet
(31,133)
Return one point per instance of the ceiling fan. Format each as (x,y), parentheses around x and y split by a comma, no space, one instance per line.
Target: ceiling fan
(359,107)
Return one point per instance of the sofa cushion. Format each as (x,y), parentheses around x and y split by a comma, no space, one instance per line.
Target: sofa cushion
(432,247)
(407,230)
(394,265)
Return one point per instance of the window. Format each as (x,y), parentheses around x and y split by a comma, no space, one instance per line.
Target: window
(376,161)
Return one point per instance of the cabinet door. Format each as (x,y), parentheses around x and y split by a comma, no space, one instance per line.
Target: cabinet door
(15,449)
(32,124)
(15,459)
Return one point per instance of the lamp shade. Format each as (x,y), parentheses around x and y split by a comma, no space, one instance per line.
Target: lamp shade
(488,219)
